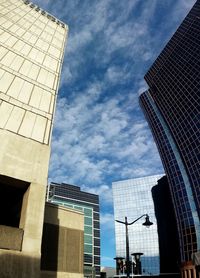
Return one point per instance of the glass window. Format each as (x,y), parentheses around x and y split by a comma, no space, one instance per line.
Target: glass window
(59,203)
(88,221)
(87,248)
(88,212)
(87,239)
(88,230)
(68,205)
(78,208)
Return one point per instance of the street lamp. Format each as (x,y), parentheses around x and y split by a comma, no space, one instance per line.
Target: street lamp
(137,269)
(147,223)
(119,265)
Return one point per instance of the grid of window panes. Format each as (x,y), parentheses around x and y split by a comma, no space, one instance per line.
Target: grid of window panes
(185,221)
(74,197)
(133,198)
(174,85)
(31,53)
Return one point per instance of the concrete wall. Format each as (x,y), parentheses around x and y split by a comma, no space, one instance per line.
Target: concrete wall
(30,67)
(25,160)
(63,243)
(11,238)
(15,264)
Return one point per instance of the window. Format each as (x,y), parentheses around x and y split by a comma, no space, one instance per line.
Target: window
(87,239)
(88,221)
(88,212)
(88,230)
(87,248)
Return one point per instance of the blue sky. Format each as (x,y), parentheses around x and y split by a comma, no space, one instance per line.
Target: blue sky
(100,134)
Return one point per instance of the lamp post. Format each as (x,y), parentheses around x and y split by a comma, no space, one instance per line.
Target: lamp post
(147,223)
(137,256)
(119,265)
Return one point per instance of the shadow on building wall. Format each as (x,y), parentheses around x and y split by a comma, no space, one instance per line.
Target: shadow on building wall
(61,250)
(50,255)
(50,244)
(62,244)
(17,265)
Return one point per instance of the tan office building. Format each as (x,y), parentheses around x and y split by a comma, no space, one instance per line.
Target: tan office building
(31,52)
(62,243)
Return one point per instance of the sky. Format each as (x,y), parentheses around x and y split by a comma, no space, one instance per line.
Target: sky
(100,134)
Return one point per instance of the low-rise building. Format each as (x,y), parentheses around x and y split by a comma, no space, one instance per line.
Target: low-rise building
(71,196)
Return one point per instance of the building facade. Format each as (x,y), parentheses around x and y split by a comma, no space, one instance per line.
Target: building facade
(132,198)
(167,229)
(107,272)
(31,53)
(72,197)
(172,108)
(62,242)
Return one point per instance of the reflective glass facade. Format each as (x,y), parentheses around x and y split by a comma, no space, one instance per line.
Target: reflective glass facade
(71,196)
(133,198)
(172,108)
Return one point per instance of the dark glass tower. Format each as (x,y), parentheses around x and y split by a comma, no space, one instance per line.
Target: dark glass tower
(167,233)
(72,197)
(172,108)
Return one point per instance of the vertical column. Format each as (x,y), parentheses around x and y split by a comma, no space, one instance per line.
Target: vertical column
(189,271)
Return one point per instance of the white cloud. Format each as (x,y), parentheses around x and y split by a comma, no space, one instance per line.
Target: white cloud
(107,221)
(93,141)
(117,75)
(67,75)
(78,40)
(104,192)
(112,23)
(184,5)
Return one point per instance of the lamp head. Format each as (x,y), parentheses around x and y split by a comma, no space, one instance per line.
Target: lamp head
(137,256)
(147,222)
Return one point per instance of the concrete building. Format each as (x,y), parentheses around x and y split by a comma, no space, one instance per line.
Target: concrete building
(31,53)
(62,242)
(107,272)
(172,107)
(132,198)
(71,196)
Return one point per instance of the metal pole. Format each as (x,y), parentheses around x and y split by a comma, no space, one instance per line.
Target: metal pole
(147,224)
(127,250)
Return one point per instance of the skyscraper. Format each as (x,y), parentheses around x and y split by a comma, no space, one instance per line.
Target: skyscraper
(31,53)
(172,108)
(167,233)
(72,197)
(132,198)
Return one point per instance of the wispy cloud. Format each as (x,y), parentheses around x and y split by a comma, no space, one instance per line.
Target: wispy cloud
(107,220)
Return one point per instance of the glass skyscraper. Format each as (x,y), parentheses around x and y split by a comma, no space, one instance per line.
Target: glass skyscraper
(133,198)
(72,197)
(172,108)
